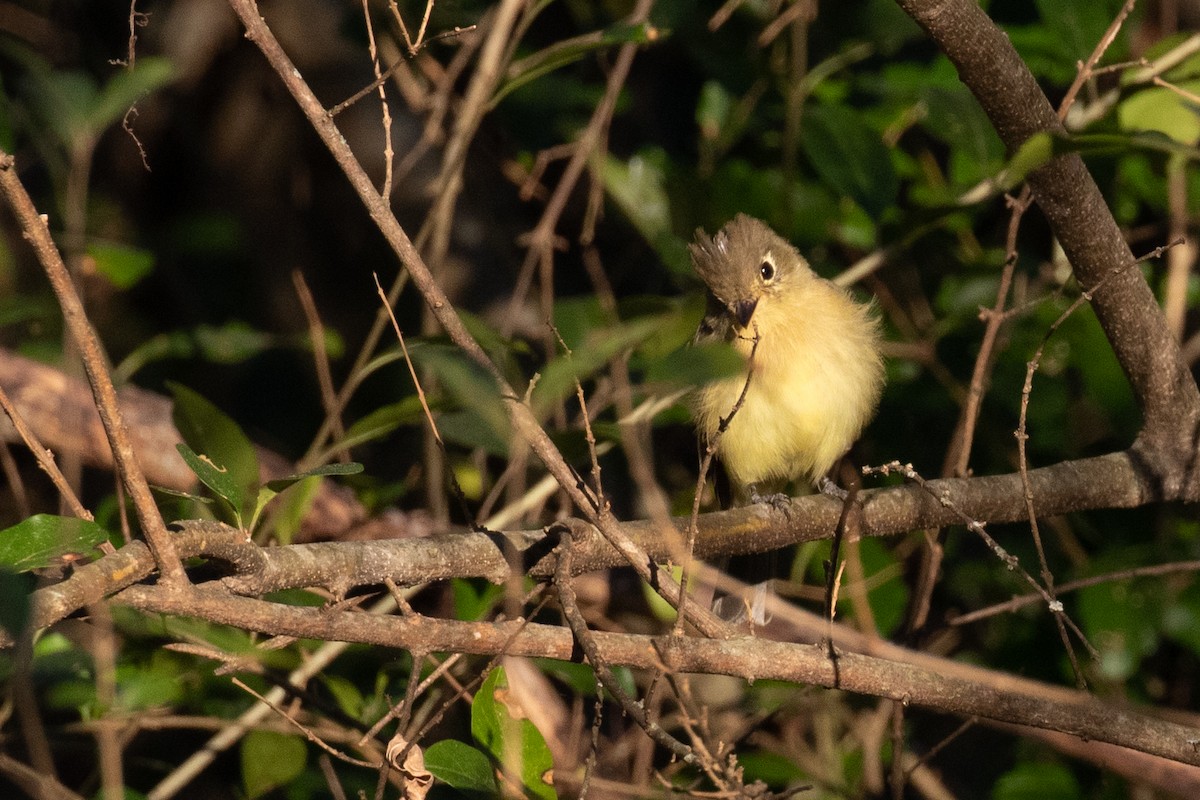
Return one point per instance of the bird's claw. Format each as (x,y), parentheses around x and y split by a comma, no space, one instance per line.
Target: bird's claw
(778,501)
(831,489)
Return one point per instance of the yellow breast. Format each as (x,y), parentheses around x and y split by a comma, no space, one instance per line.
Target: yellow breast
(816,378)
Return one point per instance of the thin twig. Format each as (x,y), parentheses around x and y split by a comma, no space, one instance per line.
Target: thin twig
(316,334)
(578,626)
(308,733)
(706,460)
(45,458)
(433,429)
(35,229)
(1153,570)
(980,529)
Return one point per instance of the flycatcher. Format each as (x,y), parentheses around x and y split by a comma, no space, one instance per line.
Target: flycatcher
(815,375)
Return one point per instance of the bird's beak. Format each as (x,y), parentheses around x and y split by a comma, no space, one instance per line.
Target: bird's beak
(743,310)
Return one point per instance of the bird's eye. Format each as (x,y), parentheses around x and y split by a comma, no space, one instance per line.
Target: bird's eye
(767,269)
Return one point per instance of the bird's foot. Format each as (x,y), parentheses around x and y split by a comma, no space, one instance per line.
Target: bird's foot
(831,489)
(778,501)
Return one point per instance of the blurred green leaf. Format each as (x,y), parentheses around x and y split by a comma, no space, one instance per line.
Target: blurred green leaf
(293,507)
(713,109)
(149,685)
(231,343)
(955,117)
(887,592)
(1037,781)
(461,766)
(1078,25)
(483,420)
(1121,619)
(638,187)
(496,728)
(6,121)
(63,102)
(567,51)
(1164,111)
(123,266)
(380,422)
(773,769)
(1181,618)
(270,760)
(345,693)
(14,599)
(44,540)
(697,365)
(127,86)
(850,157)
(474,598)
(598,348)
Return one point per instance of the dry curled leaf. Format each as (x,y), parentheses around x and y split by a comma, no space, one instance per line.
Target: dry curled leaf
(417,779)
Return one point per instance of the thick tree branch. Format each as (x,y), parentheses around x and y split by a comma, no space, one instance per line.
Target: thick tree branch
(927,681)
(1079,216)
(1105,482)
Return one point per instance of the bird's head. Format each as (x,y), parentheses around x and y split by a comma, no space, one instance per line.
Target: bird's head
(744,264)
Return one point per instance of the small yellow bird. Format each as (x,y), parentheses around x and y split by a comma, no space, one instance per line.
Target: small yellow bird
(815,375)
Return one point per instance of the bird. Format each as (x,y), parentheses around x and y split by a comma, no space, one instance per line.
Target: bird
(815,371)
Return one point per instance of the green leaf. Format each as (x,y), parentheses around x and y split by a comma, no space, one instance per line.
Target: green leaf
(599,346)
(1041,148)
(1033,781)
(231,343)
(474,598)
(1164,111)
(461,766)
(273,488)
(155,685)
(345,694)
(953,115)
(559,54)
(127,87)
(43,540)
(773,769)
(888,593)
(1122,620)
(292,509)
(713,109)
(381,422)
(7,139)
(122,265)
(208,431)
(638,187)
(471,389)
(270,760)
(1077,25)
(14,601)
(850,157)
(220,481)
(349,468)
(64,102)
(697,365)
(496,728)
